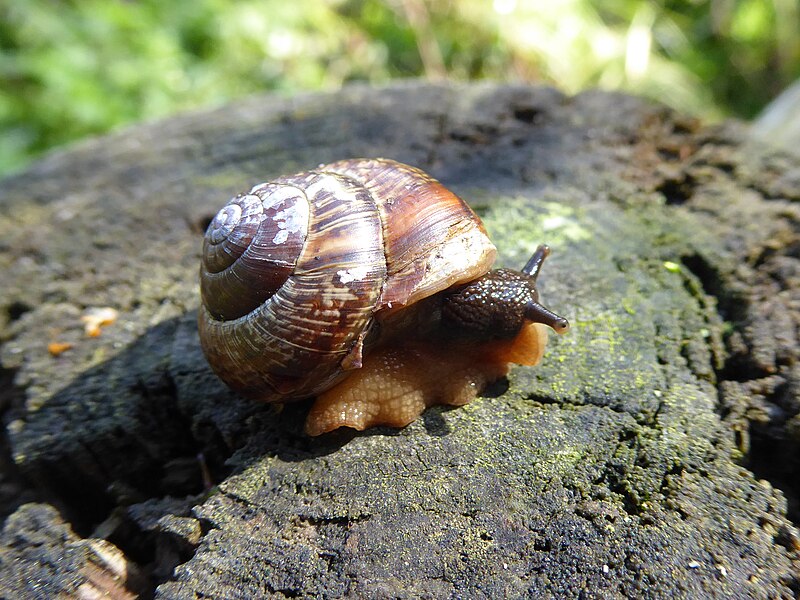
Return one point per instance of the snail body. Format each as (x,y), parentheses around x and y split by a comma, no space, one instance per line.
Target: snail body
(365,283)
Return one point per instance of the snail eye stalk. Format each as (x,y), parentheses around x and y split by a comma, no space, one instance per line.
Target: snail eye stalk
(534,264)
(534,311)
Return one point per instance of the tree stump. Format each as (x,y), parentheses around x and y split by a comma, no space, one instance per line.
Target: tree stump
(650,454)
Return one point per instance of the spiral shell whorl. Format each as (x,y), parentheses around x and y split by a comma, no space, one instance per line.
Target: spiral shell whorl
(251,248)
(231,231)
(291,340)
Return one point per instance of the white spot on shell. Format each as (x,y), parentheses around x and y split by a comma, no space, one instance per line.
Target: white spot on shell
(458,254)
(290,220)
(353,274)
(278,196)
(329,315)
(228,216)
(224,222)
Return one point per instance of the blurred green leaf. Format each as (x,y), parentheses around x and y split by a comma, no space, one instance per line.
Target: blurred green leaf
(72,68)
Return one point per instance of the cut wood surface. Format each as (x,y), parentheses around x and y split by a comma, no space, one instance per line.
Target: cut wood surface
(655,451)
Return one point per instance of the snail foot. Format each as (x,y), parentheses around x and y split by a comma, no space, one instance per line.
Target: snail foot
(396,384)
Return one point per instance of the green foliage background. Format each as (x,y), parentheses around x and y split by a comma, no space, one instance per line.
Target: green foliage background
(71,68)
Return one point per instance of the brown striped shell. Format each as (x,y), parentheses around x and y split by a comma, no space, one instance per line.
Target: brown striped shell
(296,271)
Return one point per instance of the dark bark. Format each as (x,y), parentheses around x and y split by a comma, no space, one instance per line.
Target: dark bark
(40,557)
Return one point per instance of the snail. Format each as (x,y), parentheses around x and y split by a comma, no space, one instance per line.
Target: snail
(367,284)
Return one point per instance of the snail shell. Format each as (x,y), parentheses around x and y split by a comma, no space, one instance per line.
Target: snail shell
(303,276)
